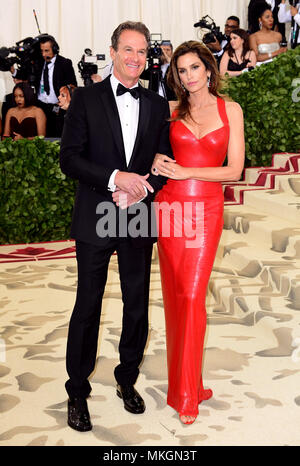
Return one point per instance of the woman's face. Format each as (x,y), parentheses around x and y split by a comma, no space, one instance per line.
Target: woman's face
(192,72)
(63,100)
(267,19)
(19,98)
(236,41)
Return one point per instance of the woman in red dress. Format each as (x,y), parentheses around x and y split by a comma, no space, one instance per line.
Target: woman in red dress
(204,129)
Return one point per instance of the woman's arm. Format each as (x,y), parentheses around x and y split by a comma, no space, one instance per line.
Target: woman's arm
(235,155)
(253,44)
(40,119)
(224,63)
(252,57)
(6,132)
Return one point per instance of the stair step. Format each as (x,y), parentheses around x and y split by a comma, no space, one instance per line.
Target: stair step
(280,204)
(244,223)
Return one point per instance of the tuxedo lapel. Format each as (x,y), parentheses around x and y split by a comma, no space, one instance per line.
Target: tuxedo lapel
(57,64)
(144,119)
(111,110)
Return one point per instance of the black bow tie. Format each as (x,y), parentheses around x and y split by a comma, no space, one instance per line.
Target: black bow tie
(135,92)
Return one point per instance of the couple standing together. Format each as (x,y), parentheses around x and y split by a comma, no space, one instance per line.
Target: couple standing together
(121,145)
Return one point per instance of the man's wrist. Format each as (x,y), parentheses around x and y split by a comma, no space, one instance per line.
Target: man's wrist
(111,183)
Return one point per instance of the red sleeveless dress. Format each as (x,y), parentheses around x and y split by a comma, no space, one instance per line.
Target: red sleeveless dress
(190,221)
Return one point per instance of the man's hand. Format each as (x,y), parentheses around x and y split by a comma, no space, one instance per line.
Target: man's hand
(96,78)
(124,200)
(294,10)
(133,184)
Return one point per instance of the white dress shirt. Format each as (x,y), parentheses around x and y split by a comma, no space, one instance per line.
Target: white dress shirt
(128,108)
(51,98)
(284,16)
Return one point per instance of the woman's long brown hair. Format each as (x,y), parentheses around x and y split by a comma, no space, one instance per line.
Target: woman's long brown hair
(207,58)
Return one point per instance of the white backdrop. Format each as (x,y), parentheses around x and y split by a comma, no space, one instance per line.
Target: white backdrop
(80,24)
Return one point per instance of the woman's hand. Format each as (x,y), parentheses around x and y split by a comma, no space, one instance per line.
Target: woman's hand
(17,136)
(159,163)
(282,50)
(165,166)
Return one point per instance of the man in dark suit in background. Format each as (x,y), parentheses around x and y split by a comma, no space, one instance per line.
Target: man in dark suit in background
(112,131)
(53,72)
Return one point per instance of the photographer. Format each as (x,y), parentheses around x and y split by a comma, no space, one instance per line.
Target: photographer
(214,40)
(159,57)
(164,90)
(292,14)
(214,46)
(53,72)
(238,57)
(232,22)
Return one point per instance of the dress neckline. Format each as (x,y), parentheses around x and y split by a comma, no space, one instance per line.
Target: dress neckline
(225,123)
(20,122)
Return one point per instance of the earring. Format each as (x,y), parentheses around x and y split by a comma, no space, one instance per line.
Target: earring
(208,81)
(183,86)
(260,25)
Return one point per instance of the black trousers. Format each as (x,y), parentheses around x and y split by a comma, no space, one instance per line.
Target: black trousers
(134,271)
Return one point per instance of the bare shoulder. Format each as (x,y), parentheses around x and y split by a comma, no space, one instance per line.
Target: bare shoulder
(234,112)
(10,112)
(277,36)
(38,111)
(233,108)
(253,36)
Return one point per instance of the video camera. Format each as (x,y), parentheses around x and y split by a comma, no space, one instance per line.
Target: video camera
(88,66)
(215,32)
(26,55)
(154,58)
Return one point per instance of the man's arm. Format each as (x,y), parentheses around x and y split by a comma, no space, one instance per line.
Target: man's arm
(74,163)
(74,144)
(164,147)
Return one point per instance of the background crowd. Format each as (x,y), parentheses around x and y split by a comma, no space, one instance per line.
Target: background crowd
(39,108)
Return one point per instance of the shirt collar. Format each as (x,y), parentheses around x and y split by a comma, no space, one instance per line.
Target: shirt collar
(52,61)
(114,84)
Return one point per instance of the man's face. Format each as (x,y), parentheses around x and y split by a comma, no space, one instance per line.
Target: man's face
(130,57)
(167,53)
(230,26)
(46,51)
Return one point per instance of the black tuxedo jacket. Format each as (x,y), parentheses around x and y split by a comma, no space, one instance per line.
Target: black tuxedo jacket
(92,148)
(63,74)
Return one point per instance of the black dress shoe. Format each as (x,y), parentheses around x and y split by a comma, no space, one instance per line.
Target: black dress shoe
(133,402)
(78,415)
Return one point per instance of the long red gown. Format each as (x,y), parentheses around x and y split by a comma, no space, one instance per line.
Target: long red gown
(192,211)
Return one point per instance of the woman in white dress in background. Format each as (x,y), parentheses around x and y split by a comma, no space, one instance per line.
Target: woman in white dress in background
(266,43)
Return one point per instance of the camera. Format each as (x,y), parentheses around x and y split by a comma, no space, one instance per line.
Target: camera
(88,66)
(215,32)
(153,69)
(26,55)
(155,50)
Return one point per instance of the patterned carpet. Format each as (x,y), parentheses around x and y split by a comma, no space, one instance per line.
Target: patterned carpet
(252,356)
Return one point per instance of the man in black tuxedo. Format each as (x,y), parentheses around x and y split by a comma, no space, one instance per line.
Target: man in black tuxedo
(112,131)
(53,72)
